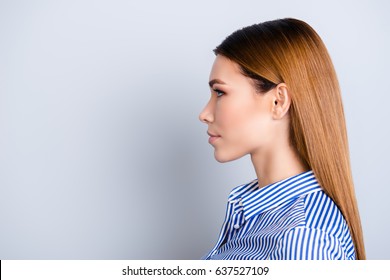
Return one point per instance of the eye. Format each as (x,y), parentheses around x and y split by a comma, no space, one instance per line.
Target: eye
(218,92)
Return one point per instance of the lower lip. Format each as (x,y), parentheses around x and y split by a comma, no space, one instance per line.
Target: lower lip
(212,139)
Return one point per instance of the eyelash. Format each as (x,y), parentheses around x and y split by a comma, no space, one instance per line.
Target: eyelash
(218,92)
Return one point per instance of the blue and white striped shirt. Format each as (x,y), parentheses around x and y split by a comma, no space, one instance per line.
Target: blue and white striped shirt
(289,219)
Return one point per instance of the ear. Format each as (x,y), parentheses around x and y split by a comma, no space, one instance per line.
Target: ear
(281,101)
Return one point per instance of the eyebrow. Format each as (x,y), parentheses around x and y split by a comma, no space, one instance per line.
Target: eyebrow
(216,81)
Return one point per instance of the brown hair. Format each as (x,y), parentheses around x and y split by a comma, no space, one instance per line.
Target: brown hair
(290,51)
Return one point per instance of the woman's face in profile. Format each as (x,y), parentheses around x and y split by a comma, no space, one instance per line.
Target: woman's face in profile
(238,117)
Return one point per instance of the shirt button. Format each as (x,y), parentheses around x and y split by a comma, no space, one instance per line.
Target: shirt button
(236,226)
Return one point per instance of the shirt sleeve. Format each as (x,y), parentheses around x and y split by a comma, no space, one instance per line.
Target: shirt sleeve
(308,244)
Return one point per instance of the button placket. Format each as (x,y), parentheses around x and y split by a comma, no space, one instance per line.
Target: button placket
(238,214)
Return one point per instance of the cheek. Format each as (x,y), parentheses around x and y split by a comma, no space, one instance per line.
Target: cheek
(230,117)
(257,131)
(239,120)
(249,126)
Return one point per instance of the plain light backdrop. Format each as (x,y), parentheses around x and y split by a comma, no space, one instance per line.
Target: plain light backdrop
(102,155)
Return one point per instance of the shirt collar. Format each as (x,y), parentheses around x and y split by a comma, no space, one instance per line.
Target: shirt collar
(253,200)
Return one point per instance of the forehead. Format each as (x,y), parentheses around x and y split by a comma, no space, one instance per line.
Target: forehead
(225,69)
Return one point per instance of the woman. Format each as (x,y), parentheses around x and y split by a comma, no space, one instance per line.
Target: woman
(275,96)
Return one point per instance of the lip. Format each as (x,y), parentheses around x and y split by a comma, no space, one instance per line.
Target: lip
(213,137)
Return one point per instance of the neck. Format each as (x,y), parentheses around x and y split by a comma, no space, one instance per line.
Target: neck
(278,163)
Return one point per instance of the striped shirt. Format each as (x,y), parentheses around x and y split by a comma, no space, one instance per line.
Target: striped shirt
(289,219)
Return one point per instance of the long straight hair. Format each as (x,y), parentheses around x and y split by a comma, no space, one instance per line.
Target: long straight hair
(290,51)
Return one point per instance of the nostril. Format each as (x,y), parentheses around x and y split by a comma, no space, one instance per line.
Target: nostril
(202,116)
(206,116)
(203,120)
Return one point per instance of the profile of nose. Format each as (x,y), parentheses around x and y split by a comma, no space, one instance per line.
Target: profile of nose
(206,116)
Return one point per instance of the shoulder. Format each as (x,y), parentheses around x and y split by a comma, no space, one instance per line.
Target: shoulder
(323,235)
(303,243)
(322,213)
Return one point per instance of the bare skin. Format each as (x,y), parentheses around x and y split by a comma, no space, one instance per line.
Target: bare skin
(242,121)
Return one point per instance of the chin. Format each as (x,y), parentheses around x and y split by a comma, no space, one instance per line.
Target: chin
(222,158)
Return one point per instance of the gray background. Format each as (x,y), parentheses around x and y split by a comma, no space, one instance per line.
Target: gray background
(102,155)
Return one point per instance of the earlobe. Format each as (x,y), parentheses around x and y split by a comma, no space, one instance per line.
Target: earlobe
(282,101)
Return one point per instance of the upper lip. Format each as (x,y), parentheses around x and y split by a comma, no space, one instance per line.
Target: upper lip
(211,134)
